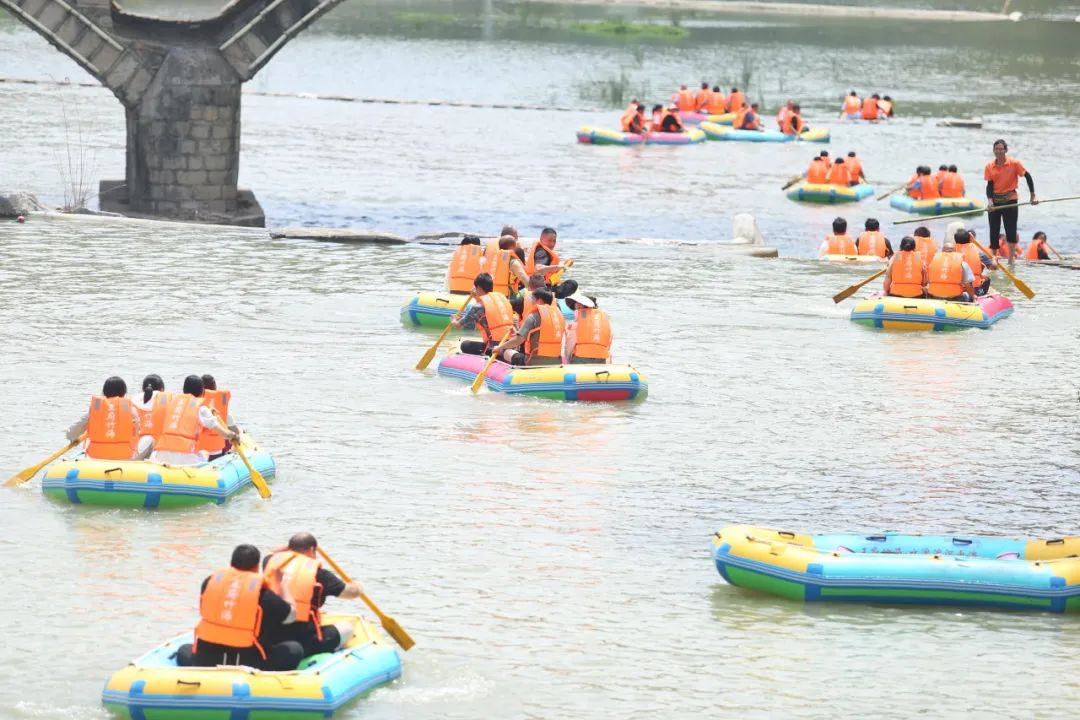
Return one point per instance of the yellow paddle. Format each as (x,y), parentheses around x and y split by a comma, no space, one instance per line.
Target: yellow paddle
(845,294)
(483,373)
(430,354)
(1053,250)
(256,477)
(557,277)
(885,195)
(1020,284)
(995,208)
(389,624)
(33,469)
(791,182)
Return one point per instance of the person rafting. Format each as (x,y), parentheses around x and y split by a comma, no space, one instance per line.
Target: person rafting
(839,175)
(1003,248)
(629,119)
(684,100)
(239,617)
(873,242)
(924,244)
(186,416)
(670,121)
(717,104)
(295,571)
(980,264)
(940,175)
(1002,175)
(492,315)
(464,265)
(885,107)
(818,171)
(210,442)
(541,333)
(952,186)
(852,105)
(906,275)
(588,337)
(736,100)
(855,169)
(748,118)
(111,424)
(655,118)
(793,122)
(838,243)
(923,186)
(542,257)
(1037,249)
(782,114)
(150,407)
(505,267)
(870,107)
(949,277)
(523,304)
(701,100)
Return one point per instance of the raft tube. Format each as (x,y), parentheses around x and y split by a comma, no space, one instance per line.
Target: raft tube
(848,259)
(600,136)
(940,206)
(154,688)
(574,383)
(434,309)
(898,313)
(696,117)
(715,131)
(829,194)
(141,483)
(903,569)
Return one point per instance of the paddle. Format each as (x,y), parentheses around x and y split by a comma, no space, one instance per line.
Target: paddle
(995,208)
(389,624)
(33,469)
(791,182)
(428,356)
(845,294)
(1020,284)
(885,195)
(1053,250)
(483,373)
(557,277)
(256,477)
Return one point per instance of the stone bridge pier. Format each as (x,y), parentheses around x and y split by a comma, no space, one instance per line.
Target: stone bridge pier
(179,82)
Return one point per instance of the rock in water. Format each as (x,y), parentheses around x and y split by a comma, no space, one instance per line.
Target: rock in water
(14,204)
(342,235)
(745,229)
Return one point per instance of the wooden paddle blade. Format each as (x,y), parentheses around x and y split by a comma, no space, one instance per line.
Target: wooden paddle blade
(845,294)
(1020,284)
(256,477)
(479,381)
(33,470)
(397,632)
(791,182)
(430,354)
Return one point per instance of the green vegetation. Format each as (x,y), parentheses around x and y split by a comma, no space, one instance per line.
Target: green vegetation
(630,31)
(421,20)
(614,91)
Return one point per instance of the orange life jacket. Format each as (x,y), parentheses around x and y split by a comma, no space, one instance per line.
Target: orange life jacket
(548,335)
(110,429)
(872,242)
(685,101)
(1032,251)
(701,101)
(869,109)
(946,275)
(296,572)
(152,418)
(952,186)
(497,264)
(926,247)
(854,166)
(939,177)
(851,105)
(229,610)
(840,245)
(530,261)
(838,175)
(593,332)
(906,274)
(464,267)
(717,104)
(974,260)
(498,317)
(218,401)
(736,101)
(181,427)
(927,190)
(818,172)
(793,123)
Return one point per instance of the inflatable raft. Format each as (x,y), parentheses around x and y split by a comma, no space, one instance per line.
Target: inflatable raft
(140,483)
(850,259)
(600,136)
(897,313)
(434,309)
(940,206)
(154,688)
(829,194)
(715,131)
(718,119)
(903,569)
(580,383)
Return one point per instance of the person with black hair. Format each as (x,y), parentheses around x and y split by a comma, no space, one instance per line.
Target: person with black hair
(240,619)
(906,274)
(541,333)
(949,277)
(541,257)
(872,241)
(111,424)
(296,572)
(492,315)
(502,262)
(186,416)
(980,264)
(1002,175)
(465,264)
(839,242)
(953,184)
(153,395)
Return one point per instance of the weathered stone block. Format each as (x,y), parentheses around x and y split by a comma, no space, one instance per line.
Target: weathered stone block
(191,177)
(215,162)
(208,192)
(222,132)
(195,162)
(192,206)
(219,206)
(199,130)
(217,178)
(188,147)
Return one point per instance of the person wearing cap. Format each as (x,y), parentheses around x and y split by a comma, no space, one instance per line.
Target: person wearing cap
(906,274)
(980,264)
(588,337)
(669,121)
(541,333)
(949,277)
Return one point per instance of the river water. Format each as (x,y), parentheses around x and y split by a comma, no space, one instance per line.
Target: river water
(551,560)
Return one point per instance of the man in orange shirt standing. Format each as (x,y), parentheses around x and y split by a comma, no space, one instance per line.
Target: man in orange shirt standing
(1002,175)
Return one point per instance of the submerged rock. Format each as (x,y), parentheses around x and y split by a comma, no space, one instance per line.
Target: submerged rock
(748,239)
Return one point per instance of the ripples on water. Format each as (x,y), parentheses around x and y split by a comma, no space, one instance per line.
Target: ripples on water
(551,560)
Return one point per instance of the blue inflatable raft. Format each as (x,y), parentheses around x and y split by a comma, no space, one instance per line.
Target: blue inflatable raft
(938,206)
